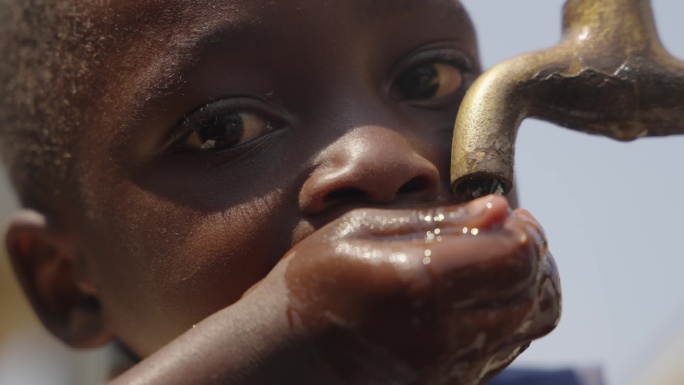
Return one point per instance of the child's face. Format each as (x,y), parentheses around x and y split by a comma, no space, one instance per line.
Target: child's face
(231,130)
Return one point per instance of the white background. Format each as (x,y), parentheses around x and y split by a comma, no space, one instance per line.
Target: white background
(612,211)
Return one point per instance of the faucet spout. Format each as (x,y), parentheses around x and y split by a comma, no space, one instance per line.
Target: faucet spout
(610,75)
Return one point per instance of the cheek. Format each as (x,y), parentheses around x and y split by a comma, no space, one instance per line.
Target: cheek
(161,267)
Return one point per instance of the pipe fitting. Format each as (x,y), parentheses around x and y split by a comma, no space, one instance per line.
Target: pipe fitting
(610,75)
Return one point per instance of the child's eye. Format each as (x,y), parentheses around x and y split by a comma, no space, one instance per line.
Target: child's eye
(428,81)
(225,130)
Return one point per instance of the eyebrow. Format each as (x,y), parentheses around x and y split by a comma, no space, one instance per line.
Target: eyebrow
(375,9)
(155,79)
(379,8)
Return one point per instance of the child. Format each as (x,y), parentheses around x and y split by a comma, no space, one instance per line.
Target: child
(248,192)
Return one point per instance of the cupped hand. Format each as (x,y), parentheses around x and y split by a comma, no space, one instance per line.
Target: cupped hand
(447,295)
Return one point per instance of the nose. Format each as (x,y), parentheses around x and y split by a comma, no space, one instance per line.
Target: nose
(369,165)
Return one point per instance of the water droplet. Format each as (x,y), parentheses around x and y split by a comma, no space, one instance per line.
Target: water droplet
(426,261)
(474,231)
(429,237)
(398,258)
(437,231)
(461,212)
(465,230)
(428,252)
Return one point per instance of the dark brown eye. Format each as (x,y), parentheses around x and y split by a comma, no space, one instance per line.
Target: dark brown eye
(428,81)
(226,130)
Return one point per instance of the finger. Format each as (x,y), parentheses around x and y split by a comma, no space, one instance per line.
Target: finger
(484,213)
(474,254)
(469,269)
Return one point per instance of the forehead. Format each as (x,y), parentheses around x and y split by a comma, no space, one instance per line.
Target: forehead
(125,19)
(146,10)
(149,44)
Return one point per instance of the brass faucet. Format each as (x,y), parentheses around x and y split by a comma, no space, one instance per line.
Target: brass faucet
(609,75)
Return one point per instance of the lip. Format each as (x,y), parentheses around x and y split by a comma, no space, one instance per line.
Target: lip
(435,222)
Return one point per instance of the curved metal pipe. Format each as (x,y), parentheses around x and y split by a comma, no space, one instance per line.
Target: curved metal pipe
(610,75)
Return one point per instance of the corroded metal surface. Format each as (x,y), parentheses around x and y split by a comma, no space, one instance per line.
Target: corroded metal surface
(610,75)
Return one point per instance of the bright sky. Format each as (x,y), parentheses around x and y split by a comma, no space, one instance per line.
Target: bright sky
(612,211)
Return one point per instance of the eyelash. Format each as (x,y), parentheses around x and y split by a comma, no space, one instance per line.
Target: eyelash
(224,109)
(448,56)
(191,124)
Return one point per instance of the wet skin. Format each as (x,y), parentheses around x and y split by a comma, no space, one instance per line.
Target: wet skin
(283,241)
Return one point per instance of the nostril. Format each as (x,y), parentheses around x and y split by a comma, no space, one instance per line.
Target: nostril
(416,184)
(346,194)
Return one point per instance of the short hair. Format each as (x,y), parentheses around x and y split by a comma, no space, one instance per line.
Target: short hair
(52,51)
(45,46)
